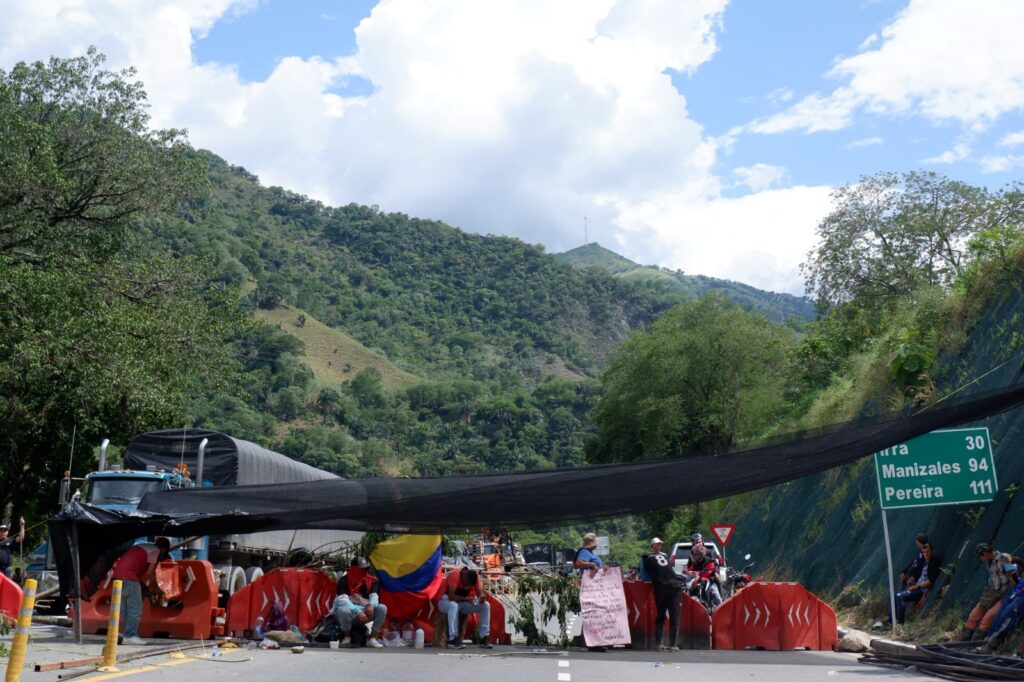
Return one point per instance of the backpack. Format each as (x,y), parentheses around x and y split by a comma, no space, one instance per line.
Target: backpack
(326,630)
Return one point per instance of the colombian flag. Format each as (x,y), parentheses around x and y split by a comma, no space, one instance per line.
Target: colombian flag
(409,571)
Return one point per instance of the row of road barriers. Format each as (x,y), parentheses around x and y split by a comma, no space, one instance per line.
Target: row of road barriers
(770,616)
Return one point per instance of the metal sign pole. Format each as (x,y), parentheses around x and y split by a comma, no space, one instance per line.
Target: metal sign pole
(892,589)
(78,582)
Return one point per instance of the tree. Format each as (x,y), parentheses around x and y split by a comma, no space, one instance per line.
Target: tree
(100,332)
(706,375)
(890,234)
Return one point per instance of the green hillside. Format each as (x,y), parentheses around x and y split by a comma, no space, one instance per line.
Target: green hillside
(334,356)
(777,307)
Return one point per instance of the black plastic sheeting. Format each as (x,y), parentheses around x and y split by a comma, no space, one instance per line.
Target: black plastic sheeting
(531,499)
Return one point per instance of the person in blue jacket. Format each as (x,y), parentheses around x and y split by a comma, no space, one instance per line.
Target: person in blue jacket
(586,560)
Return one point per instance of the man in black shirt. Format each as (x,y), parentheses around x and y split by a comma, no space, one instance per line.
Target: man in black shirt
(668,589)
(7,544)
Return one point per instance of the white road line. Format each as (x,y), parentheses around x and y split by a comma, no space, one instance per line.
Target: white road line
(566,677)
(563,664)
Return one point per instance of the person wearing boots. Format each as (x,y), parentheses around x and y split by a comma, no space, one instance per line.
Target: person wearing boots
(979,621)
(668,591)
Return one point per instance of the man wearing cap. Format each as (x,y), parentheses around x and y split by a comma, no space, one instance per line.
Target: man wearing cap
(668,591)
(984,612)
(135,567)
(358,601)
(7,544)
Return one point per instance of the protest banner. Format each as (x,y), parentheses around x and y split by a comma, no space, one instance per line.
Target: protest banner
(603,607)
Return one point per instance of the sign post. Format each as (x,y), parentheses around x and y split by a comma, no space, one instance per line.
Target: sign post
(723,531)
(953,466)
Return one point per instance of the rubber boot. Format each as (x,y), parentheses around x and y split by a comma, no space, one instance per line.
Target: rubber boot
(967,634)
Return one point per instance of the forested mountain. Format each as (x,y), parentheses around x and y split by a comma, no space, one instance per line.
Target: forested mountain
(775,306)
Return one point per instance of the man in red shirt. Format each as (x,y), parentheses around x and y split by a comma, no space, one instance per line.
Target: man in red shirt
(135,567)
(463,594)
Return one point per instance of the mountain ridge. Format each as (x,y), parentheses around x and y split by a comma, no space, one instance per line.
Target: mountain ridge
(778,307)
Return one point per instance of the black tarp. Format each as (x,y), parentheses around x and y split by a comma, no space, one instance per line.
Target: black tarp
(516,500)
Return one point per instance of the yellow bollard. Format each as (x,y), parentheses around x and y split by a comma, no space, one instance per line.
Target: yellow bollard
(16,659)
(113,625)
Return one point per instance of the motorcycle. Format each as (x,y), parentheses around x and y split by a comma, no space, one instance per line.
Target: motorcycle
(737,579)
(700,588)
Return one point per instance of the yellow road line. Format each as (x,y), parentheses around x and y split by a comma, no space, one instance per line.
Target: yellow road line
(143,669)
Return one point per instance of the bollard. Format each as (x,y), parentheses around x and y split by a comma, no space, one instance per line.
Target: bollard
(113,625)
(16,659)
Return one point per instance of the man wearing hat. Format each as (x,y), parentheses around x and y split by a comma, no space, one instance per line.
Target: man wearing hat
(668,592)
(984,612)
(585,557)
(7,544)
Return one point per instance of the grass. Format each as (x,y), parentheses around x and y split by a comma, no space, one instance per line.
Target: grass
(334,356)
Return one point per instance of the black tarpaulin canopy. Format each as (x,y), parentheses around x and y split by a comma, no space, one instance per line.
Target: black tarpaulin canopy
(516,500)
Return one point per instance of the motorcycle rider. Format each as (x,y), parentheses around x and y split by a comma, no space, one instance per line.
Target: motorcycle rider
(668,588)
(706,569)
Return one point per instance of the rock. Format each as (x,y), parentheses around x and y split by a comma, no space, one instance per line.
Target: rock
(855,641)
(284,636)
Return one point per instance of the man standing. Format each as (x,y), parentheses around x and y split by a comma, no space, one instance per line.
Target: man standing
(7,544)
(135,567)
(668,591)
(987,608)
(463,594)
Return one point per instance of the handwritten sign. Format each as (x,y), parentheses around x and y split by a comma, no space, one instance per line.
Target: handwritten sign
(603,606)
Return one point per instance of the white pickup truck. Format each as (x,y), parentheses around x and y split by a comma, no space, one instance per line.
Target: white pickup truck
(681,552)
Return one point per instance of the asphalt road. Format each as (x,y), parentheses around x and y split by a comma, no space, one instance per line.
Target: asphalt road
(470,665)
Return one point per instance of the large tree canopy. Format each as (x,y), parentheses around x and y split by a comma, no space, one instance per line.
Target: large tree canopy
(705,375)
(889,234)
(98,330)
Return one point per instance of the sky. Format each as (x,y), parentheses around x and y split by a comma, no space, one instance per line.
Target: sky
(704,135)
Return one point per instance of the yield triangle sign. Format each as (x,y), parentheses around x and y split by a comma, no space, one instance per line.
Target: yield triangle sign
(723,532)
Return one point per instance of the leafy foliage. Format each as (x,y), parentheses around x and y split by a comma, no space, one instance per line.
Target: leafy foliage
(705,375)
(99,331)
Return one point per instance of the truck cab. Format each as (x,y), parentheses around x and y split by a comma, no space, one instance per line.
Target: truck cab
(124,489)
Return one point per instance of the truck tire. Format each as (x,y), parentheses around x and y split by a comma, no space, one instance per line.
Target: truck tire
(252,574)
(236,580)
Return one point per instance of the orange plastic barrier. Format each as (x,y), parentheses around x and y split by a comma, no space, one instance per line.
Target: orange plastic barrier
(192,615)
(305,594)
(498,634)
(775,616)
(694,622)
(10,598)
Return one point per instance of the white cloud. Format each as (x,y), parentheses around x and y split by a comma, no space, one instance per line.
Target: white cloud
(508,118)
(866,142)
(771,233)
(779,95)
(959,152)
(760,176)
(1012,140)
(1001,164)
(947,61)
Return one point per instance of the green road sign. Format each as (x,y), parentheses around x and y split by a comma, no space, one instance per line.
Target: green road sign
(941,467)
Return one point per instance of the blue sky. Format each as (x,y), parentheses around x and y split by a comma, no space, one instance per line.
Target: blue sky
(704,135)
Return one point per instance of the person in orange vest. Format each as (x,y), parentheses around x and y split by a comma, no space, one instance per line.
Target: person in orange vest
(135,567)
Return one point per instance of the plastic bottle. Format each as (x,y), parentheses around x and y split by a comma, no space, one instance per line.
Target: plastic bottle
(419,638)
(408,633)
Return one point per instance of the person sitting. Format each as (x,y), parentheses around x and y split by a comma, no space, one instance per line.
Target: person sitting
(360,585)
(916,586)
(1011,613)
(979,621)
(463,594)
(913,569)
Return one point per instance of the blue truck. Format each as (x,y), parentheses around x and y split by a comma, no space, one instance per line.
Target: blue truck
(185,458)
